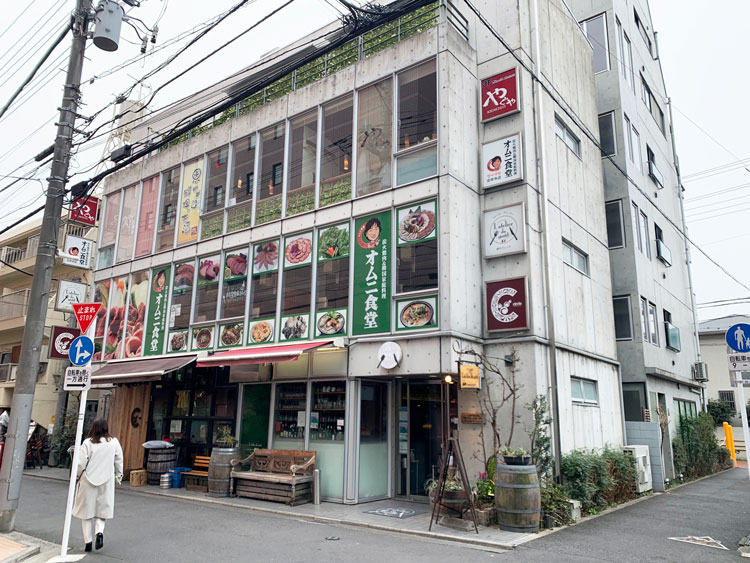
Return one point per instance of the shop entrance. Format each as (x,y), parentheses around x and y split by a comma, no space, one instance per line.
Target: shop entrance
(420,424)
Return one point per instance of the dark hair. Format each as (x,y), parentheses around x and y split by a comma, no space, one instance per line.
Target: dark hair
(371,223)
(99,430)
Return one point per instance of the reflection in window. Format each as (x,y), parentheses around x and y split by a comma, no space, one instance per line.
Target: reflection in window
(296,291)
(217,177)
(417,105)
(207,289)
(168,210)
(302,156)
(127,224)
(243,170)
(264,289)
(336,157)
(271,174)
(182,295)
(109,230)
(417,266)
(374,137)
(333,284)
(147,219)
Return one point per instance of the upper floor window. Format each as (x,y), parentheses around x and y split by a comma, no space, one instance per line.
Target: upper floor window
(303,153)
(110,226)
(567,136)
(336,158)
(623,321)
(271,174)
(575,257)
(147,217)
(649,322)
(653,170)
(642,30)
(126,239)
(596,31)
(671,332)
(170,193)
(607,134)
(653,106)
(662,250)
(615,231)
(375,137)
(217,178)
(583,391)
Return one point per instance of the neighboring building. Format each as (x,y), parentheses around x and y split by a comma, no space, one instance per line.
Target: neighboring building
(18,250)
(305,272)
(714,351)
(657,342)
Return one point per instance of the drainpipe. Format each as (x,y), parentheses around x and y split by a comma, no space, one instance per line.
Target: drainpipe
(538,96)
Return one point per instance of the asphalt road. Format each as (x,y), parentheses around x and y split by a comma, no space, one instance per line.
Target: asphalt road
(166,530)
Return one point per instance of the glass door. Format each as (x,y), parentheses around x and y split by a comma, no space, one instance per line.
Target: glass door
(373,440)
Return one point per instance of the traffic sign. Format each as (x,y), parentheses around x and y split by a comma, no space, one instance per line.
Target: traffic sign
(86,313)
(81,350)
(77,379)
(738,337)
(739,362)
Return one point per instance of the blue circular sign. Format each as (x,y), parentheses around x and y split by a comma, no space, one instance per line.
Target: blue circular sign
(738,337)
(81,350)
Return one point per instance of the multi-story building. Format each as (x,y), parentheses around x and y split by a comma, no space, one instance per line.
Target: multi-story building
(305,271)
(655,326)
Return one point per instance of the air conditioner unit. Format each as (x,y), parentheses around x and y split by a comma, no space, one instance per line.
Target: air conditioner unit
(700,371)
(642,467)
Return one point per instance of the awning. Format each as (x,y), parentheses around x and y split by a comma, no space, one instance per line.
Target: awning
(261,354)
(140,370)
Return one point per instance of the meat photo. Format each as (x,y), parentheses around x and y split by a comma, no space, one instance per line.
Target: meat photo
(266,257)
(183,275)
(209,271)
(237,264)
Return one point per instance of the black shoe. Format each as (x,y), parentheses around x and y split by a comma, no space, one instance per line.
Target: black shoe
(99,541)
(88,547)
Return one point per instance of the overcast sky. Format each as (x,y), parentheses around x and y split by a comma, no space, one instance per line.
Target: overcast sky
(703,53)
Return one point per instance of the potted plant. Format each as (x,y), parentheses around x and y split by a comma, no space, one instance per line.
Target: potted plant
(484,501)
(515,457)
(225,438)
(454,497)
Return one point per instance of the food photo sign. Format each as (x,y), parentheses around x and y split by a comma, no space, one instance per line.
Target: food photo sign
(177,341)
(260,331)
(416,314)
(294,327)
(230,334)
(507,304)
(417,223)
(203,338)
(333,244)
(266,257)
(504,230)
(500,95)
(156,320)
(371,312)
(501,161)
(298,253)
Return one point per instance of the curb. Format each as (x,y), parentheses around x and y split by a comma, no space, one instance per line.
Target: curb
(23,554)
(315,518)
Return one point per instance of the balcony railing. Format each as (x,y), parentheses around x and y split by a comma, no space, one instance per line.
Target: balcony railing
(14,305)
(10,254)
(8,372)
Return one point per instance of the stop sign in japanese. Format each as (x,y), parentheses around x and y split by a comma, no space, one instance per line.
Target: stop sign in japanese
(500,95)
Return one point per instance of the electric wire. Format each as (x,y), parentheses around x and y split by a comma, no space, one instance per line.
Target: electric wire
(11,24)
(20,58)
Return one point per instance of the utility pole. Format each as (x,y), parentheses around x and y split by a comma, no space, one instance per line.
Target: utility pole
(28,367)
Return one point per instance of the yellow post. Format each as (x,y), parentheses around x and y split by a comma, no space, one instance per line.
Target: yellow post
(729,441)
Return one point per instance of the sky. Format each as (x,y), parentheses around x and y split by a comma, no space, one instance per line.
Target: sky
(702,53)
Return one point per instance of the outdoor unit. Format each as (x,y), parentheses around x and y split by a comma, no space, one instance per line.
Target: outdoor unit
(700,371)
(642,466)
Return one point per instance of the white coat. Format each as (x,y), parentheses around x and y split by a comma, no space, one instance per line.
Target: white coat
(98,465)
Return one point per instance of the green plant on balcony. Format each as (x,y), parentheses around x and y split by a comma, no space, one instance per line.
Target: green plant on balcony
(300,201)
(239,218)
(334,192)
(268,210)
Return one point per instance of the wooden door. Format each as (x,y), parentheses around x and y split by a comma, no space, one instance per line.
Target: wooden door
(128,422)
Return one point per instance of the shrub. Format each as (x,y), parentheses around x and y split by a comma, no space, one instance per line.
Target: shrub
(696,435)
(555,504)
(720,411)
(622,469)
(599,479)
(724,458)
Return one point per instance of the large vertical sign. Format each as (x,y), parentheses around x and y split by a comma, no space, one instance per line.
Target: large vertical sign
(84,210)
(501,161)
(371,312)
(192,188)
(507,305)
(500,95)
(157,312)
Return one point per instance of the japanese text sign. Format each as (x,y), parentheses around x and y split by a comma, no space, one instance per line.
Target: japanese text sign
(501,161)
(85,314)
(80,249)
(500,95)
(157,311)
(84,210)
(77,379)
(372,284)
(192,189)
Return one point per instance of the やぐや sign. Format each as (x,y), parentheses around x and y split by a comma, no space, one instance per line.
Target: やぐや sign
(500,95)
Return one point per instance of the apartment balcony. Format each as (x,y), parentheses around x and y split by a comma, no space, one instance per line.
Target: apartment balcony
(13,308)
(8,374)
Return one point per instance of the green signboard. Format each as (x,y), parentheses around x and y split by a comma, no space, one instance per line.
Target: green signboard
(371,312)
(157,311)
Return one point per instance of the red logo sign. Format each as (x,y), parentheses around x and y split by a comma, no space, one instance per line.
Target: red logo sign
(59,341)
(84,210)
(85,314)
(506,305)
(500,95)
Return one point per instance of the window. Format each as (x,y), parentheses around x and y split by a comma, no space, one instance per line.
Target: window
(662,250)
(336,152)
(728,397)
(126,241)
(634,401)
(217,177)
(653,106)
(417,123)
(567,136)
(615,231)
(417,266)
(685,409)
(583,391)
(671,332)
(109,230)
(596,31)
(303,153)
(265,280)
(333,268)
(170,191)
(207,289)
(638,159)
(607,134)
(652,324)
(644,235)
(297,280)
(637,232)
(653,171)
(242,184)
(628,137)
(182,295)
(623,324)
(271,175)
(374,137)
(642,29)
(234,287)
(575,257)
(147,219)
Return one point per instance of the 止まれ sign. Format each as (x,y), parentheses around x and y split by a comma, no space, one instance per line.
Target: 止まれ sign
(506,304)
(60,340)
(501,161)
(85,314)
(500,95)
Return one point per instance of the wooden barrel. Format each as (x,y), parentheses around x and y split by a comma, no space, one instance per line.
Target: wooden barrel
(517,498)
(159,461)
(219,468)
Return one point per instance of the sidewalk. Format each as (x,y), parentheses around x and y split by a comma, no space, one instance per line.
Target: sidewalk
(358,515)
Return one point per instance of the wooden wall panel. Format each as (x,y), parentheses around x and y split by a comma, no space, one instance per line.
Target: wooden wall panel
(121,414)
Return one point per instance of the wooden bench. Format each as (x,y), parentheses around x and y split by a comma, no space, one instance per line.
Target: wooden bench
(278,475)
(197,479)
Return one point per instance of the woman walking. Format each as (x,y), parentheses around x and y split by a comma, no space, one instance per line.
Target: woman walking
(99,466)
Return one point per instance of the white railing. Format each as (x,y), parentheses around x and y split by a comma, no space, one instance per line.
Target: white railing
(8,372)
(14,304)
(10,254)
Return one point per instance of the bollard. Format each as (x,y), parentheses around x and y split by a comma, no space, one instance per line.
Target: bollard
(316,486)
(729,442)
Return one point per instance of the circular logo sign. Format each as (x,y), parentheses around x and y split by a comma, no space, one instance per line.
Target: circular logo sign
(493,164)
(502,303)
(62,342)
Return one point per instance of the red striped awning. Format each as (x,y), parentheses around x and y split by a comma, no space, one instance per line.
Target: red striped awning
(261,354)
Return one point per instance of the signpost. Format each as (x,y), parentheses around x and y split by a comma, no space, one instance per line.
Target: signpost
(738,339)
(81,350)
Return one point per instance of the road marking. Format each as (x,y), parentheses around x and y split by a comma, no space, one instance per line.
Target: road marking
(701,540)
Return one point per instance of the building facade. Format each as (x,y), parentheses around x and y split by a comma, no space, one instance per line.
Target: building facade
(656,331)
(305,272)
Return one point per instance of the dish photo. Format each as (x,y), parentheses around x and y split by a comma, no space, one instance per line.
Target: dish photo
(417,225)
(332,322)
(261,332)
(298,250)
(231,335)
(177,342)
(417,314)
(202,338)
(294,327)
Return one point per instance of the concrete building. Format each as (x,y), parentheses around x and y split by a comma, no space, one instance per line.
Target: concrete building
(304,271)
(657,342)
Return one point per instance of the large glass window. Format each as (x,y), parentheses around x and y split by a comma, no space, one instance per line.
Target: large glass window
(127,224)
(182,295)
(417,266)
(615,231)
(607,134)
(234,290)
(596,31)
(373,440)
(374,137)
(109,229)
(217,178)
(168,208)
(303,153)
(417,105)
(333,268)
(207,289)
(623,325)
(327,417)
(137,301)
(147,219)
(336,152)
(271,174)
(242,184)
(296,287)
(265,280)
(290,419)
